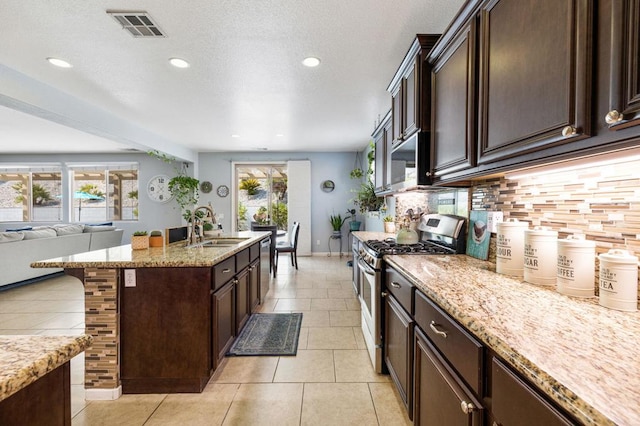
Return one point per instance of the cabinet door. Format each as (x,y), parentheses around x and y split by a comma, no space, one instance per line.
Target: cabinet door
(513,402)
(224,324)
(397,111)
(440,398)
(380,167)
(254,285)
(242,299)
(535,76)
(453,82)
(411,106)
(398,348)
(624,97)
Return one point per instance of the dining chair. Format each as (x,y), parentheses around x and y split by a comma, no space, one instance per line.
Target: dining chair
(291,248)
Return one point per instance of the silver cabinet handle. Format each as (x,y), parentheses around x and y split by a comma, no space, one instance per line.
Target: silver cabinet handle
(384,294)
(395,284)
(568,131)
(613,117)
(467,407)
(226,271)
(433,325)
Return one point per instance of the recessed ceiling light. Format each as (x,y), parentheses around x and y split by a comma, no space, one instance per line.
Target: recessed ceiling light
(311,62)
(235,136)
(179,63)
(279,135)
(59,62)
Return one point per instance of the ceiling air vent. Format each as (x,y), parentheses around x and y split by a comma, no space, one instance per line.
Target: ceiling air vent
(139,24)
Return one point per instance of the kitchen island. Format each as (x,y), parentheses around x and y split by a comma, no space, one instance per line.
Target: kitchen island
(582,356)
(35,379)
(162,317)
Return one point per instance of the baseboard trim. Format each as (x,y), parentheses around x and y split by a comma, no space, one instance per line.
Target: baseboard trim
(103,394)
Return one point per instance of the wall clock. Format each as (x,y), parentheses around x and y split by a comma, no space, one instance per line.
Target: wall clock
(223,191)
(206,187)
(158,189)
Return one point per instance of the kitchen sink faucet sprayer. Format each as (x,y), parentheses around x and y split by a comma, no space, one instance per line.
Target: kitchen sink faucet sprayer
(195,234)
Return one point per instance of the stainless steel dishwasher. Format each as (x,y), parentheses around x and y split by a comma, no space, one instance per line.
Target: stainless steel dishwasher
(265,267)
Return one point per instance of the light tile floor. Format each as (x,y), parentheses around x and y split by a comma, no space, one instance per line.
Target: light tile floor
(329,382)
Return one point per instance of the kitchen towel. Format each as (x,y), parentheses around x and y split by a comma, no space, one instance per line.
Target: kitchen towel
(479,235)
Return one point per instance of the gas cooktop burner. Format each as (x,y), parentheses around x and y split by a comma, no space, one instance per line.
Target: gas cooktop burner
(380,248)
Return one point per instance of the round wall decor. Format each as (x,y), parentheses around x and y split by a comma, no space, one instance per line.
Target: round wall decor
(206,187)
(328,186)
(222,191)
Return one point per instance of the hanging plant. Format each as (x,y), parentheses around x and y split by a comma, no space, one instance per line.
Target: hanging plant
(357,171)
(185,190)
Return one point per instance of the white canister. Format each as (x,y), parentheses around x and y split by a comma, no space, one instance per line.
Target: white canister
(540,256)
(618,283)
(576,266)
(510,247)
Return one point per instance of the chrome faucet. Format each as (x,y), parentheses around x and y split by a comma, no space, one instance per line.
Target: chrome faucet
(196,231)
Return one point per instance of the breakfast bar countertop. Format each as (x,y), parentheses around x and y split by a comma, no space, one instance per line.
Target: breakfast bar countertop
(174,255)
(582,355)
(25,359)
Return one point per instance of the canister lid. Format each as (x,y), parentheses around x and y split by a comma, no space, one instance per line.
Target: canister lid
(576,240)
(512,223)
(541,231)
(618,256)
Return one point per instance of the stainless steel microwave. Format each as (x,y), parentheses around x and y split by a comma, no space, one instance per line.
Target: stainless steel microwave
(410,162)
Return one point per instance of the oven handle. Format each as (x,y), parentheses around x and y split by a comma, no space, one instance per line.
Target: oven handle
(366,268)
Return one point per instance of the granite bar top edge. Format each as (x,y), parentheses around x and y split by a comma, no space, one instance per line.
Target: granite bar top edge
(443,278)
(172,256)
(26,358)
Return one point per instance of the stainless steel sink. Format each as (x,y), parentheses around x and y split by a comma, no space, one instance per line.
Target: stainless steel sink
(218,242)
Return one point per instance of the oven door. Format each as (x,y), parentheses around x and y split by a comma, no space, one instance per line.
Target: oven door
(356,273)
(370,297)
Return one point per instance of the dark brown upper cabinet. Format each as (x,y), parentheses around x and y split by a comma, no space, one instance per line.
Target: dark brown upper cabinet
(624,95)
(535,76)
(410,91)
(382,141)
(453,106)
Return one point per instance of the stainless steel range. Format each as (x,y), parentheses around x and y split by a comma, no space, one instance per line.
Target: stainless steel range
(439,234)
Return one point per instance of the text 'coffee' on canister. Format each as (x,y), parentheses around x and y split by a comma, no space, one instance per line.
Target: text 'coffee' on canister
(540,256)
(618,283)
(576,266)
(510,247)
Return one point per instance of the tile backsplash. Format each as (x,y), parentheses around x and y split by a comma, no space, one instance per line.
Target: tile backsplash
(603,203)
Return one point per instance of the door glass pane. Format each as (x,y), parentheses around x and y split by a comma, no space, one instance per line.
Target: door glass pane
(262,195)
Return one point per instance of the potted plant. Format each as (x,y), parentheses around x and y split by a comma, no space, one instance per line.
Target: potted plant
(155,239)
(354,225)
(366,198)
(389,225)
(140,240)
(336,223)
(185,190)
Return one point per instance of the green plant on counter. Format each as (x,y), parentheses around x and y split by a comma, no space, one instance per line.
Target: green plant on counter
(140,233)
(187,215)
(207,226)
(155,234)
(387,219)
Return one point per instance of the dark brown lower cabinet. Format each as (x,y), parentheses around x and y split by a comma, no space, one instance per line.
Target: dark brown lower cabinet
(165,331)
(514,402)
(242,299)
(47,401)
(224,325)
(440,397)
(398,348)
(254,285)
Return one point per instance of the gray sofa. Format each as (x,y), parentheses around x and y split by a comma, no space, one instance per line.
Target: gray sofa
(19,248)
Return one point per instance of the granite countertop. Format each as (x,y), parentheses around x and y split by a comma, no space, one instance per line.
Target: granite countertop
(584,356)
(174,255)
(25,359)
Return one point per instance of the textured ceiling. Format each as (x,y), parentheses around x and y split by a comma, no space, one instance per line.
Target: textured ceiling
(245,78)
